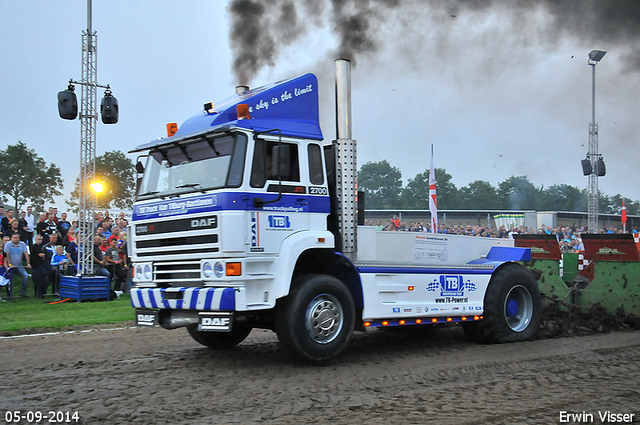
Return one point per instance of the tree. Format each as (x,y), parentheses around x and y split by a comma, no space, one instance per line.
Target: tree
(563,197)
(27,178)
(480,195)
(416,193)
(381,183)
(518,193)
(117,174)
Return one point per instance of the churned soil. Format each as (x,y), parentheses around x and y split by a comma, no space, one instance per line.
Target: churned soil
(129,375)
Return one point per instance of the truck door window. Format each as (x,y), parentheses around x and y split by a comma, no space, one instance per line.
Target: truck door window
(265,159)
(315,164)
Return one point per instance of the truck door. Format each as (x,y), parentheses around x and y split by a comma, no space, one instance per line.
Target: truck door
(282,206)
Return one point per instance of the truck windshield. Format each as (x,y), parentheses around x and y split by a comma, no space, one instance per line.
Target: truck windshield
(194,165)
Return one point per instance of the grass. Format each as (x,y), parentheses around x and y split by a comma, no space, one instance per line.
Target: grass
(23,314)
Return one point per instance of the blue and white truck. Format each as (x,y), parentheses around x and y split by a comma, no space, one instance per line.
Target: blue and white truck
(246,218)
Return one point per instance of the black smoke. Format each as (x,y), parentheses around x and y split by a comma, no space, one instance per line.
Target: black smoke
(260,29)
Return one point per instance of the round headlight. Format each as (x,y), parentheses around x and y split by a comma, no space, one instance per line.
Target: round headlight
(147,272)
(218,270)
(207,270)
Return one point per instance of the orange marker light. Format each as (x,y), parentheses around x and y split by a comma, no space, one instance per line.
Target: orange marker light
(172,128)
(411,288)
(367,324)
(418,321)
(234,269)
(476,317)
(449,319)
(463,318)
(402,322)
(243,111)
(385,323)
(434,320)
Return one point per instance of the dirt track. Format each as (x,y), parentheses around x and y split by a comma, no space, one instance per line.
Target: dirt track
(154,376)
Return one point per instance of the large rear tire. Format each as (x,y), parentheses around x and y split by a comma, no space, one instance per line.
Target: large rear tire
(512,308)
(316,320)
(220,340)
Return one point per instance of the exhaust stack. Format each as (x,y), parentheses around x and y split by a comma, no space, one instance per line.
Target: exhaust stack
(241,89)
(345,161)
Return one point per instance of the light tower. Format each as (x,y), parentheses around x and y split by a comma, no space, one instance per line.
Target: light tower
(593,166)
(68,109)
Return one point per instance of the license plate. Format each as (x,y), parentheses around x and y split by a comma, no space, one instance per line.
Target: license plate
(147,318)
(215,322)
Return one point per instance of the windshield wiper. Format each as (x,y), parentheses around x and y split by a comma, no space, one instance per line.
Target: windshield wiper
(191,185)
(149,193)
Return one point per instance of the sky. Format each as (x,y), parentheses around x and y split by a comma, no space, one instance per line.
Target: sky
(500,87)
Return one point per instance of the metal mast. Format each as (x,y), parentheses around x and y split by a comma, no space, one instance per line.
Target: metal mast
(594,57)
(88,117)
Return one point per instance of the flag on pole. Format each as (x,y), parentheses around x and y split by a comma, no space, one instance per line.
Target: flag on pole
(433,205)
(624,216)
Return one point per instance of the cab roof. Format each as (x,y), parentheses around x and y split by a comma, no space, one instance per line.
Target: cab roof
(290,106)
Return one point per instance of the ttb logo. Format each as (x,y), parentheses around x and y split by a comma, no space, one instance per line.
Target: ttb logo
(279,221)
(451,285)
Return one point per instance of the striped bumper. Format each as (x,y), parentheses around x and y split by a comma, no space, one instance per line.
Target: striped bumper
(204,299)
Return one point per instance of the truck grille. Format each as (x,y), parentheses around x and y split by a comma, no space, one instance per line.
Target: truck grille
(182,273)
(177,240)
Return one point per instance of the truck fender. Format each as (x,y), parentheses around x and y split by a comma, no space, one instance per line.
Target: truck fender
(291,249)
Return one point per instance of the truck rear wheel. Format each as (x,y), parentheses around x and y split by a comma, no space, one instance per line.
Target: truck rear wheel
(220,340)
(512,308)
(316,320)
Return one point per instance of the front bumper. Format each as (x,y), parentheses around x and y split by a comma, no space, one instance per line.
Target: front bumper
(202,299)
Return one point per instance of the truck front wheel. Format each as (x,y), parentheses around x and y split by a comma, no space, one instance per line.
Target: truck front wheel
(316,320)
(222,340)
(512,308)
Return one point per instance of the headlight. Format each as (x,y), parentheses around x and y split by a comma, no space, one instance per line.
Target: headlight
(147,272)
(207,270)
(218,270)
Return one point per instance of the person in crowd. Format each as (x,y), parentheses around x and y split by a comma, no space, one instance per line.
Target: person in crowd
(69,237)
(115,265)
(54,212)
(30,219)
(106,227)
(124,256)
(24,228)
(5,274)
(39,272)
(15,251)
(72,249)
(63,225)
(14,229)
(41,227)
(6,220)
(98,259)
(104,244)
(59,264)
(51,225)
(49,249)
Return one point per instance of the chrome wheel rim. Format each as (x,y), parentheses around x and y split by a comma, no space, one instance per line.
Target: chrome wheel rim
(324,318)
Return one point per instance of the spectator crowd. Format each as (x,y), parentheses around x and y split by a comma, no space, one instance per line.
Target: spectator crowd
(47,245)
(569,238)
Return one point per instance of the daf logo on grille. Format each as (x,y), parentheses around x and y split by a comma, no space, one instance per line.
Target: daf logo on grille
(203,222)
